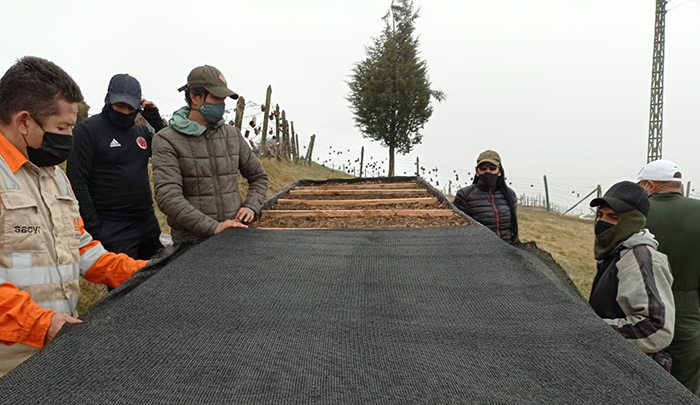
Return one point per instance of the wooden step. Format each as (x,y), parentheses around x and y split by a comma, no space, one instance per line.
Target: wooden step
(361,186)
(317,191)
(367,202)
(356,213)
(295,229)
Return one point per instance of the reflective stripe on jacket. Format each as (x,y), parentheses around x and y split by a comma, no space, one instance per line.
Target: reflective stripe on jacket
(41,236)
(43,251)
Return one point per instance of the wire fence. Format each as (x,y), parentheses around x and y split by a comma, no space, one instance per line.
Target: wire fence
(563,196)
(558,195)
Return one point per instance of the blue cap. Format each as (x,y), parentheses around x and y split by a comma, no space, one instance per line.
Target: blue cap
(124,89)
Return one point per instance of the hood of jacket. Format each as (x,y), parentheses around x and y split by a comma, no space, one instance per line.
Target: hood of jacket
(643,237)
(182,124)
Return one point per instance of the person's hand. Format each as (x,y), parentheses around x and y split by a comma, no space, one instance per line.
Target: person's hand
(147,104)
(245,214)
(230,223)
(57,322)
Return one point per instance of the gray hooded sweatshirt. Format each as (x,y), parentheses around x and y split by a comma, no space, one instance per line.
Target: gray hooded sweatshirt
(632,293)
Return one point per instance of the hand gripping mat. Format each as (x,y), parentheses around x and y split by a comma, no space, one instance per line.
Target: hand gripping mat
(427,316)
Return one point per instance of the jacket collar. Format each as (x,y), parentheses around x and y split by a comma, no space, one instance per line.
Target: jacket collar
(13,157)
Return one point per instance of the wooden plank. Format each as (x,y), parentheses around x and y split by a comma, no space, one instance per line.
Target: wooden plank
(355,192)
(356,213)
(361,186)
(378,201)
(296,229)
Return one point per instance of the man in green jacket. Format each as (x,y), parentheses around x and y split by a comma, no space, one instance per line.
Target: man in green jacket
(196,160)
(675,221)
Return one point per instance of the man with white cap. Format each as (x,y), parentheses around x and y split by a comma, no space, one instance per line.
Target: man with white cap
(675,221)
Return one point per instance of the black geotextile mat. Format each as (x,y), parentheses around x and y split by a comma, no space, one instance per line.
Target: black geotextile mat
(435,315)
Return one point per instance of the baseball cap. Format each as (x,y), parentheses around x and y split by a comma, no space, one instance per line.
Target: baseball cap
(660,170)
(624,196)
(124,89)
(489,156)
(211,79)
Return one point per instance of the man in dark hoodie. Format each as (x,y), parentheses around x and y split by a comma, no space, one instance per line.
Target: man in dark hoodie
(489,200)
(632,289)
(108,169)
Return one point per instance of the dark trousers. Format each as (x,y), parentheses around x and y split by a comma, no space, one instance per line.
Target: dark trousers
(137,239)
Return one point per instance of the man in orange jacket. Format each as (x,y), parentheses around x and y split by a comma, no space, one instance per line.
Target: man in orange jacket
(44,247)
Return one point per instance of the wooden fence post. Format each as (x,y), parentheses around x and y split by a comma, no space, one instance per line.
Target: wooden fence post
(263,140)
(295,152)
(278,126)
(362,160)
(240,108)
(546,191)
(296,141)
(309,153)
(597,189)
(285,135)
(417,167)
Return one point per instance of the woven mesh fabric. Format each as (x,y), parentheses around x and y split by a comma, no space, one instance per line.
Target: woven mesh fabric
(442,315)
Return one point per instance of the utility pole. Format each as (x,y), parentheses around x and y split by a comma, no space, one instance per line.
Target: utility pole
(656,109)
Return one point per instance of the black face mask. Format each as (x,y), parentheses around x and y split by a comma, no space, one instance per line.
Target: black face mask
(119,119)
(602,226)
(55,149)
(488,180)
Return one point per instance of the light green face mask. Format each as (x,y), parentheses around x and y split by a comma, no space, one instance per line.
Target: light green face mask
(212,113)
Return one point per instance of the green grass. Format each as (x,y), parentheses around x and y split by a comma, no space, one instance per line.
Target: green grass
(568,239)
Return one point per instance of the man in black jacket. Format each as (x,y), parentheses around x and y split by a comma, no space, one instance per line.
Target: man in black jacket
(108,169)
(631,290)
(489,200)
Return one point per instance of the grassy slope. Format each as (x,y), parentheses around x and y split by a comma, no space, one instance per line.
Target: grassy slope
(569,240)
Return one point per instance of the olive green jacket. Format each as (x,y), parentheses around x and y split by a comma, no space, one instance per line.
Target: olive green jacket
(195,176)
(675,221)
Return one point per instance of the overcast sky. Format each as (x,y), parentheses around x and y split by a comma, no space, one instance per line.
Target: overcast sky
(558,87)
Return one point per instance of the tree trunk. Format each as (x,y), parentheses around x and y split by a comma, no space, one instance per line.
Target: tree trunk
(391,161)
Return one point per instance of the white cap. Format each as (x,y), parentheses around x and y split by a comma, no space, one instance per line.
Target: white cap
(660,170)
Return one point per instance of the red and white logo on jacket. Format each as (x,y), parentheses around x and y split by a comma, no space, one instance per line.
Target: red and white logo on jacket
(141,142)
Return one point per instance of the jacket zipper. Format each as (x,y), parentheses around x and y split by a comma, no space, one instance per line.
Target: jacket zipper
(498,219)
(215,179)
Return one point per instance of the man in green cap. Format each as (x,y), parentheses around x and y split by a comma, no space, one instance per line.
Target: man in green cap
(196,160)
(675,221)
(632,289)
